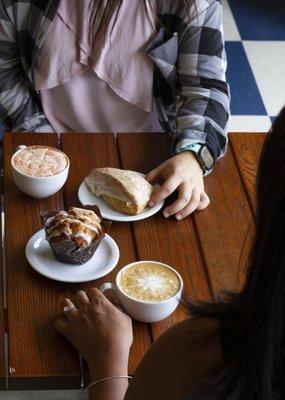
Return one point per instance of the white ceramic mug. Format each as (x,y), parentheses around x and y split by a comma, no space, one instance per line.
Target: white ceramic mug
(39,186)
(141,310)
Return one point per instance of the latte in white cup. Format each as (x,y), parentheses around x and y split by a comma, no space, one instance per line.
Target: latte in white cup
(39,171)
(149,281)
(40,161)
(148,291)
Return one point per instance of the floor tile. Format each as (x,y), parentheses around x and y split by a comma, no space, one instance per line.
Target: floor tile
(246,99)
(230,28)
(259,19)
(249,123)
(267,60)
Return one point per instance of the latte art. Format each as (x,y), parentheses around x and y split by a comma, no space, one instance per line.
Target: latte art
(40,161)
(149,282)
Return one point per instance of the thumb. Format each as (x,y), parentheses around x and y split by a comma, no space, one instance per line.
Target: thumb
(61,326)
(204,202)
(154,175)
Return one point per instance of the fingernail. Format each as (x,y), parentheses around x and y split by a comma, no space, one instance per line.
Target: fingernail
(151,203)
(179,217)
(166,214)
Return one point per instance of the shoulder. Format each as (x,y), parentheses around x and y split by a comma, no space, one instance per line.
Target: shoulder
(193,329)
(177,16)
(192,339)
(177,359)
(182,8)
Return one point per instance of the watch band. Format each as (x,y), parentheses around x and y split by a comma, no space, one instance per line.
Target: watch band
(203,156)
(194,147)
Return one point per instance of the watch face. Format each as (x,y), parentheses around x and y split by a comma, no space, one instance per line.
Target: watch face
(206,157)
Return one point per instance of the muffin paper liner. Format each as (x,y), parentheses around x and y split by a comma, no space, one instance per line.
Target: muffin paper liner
(67,250)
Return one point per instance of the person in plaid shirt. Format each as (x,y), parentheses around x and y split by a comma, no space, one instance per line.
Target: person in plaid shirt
(188,85)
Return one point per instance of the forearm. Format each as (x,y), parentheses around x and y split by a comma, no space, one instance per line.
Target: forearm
(109,390)
(203,118)
(20,108)
(204,109)
(112,389)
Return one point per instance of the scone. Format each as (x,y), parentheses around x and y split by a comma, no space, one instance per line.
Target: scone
(125,191)
(74,236)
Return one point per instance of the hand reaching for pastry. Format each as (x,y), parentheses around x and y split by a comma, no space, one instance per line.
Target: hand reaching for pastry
(183,173)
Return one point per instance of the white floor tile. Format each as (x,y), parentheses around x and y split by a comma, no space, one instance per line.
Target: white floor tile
(43,395)
(267,60)
(230,27)
(249,123)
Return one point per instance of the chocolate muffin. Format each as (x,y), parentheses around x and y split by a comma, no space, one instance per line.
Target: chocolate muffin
(74,235)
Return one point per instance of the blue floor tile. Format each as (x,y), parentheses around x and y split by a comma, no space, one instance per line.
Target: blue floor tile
(259,19)
(246,99)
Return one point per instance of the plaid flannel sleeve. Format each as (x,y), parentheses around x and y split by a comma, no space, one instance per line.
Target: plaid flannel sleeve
(203,112)
(19,106)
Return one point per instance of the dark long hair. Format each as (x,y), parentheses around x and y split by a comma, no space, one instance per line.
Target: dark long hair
(254,320)
(101,15)
(103,11)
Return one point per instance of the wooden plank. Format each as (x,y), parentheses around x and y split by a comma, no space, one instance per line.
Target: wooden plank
(169,241)
(247,149)
(39,357)
(87,151)
(224,227)
(3,327)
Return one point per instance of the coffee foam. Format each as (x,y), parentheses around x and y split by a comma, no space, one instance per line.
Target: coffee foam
(40,161)
(149,282)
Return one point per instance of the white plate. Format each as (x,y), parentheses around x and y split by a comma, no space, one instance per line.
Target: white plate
(41,258)
(87,198)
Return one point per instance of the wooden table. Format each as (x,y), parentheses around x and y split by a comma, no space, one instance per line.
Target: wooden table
(205,248)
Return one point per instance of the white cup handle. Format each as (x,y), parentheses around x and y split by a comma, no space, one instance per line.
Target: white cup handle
(178,297)
(107,286)
(21,147)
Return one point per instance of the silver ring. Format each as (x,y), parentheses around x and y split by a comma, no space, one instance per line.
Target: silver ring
(67,309)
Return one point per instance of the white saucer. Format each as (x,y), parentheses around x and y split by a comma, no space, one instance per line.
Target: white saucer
(41,258)
(88,198)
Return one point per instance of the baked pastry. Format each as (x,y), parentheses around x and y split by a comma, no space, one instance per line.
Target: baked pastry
(125,191)
(74,236)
